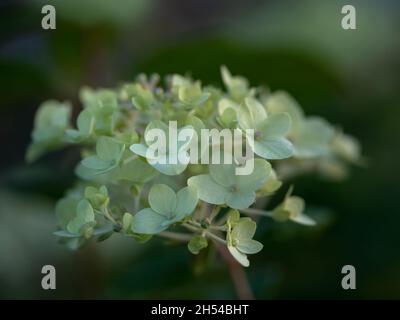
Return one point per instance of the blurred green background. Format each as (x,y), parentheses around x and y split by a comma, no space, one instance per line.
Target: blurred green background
(351,77)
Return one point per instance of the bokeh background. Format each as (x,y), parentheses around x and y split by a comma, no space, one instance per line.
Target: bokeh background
(351,77)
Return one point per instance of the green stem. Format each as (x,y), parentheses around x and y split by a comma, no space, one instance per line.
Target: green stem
(219,228)
(203,231)
(195,224)
(175,236)
(215,237)
(107,214)
(191,227)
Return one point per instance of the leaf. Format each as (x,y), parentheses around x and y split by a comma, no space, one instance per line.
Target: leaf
(162,199)
(147,221)
(196,244)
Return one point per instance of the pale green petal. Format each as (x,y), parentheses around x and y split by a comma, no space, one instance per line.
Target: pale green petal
(94,162)
(168,169)
(261,172)
(251,114)
(303,219)
(155,124)
(136,170)
(66,210)
(147,221)
(162,199)
(272,148)
(240,257)
(240,199)
(276,125)
(244,230)
(347,147)
(127,220)
(139,149)
(196,244)
(314,138)
(108,149)
(207,189)
(186,201)
(84,215)
(226,104)
(249,246)
(272,184)
(187,138)
(295,205)
(281,101)
(85,122)
(223,174)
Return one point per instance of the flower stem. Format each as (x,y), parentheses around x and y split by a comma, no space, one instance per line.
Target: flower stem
(215,237)
(108,215)
(175,236)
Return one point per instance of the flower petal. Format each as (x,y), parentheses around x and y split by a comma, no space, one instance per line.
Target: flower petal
(249,246)
(272,148)
(253,181)
(240,257)
(162,199)
(244,230)
(223,174)
(276,125)
(207,189)
(186,201)
(147,221)
(240,199)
